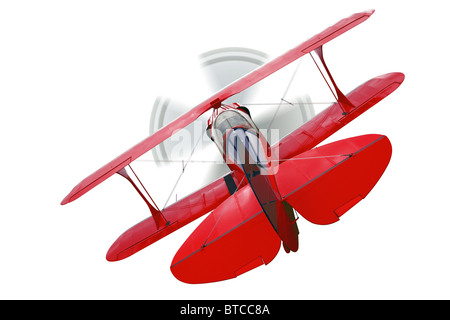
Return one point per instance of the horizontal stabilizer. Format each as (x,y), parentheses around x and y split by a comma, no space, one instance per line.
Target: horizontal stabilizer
(235,238)
(324,183)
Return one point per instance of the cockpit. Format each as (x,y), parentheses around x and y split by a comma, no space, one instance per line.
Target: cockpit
(238,138)
(230,119)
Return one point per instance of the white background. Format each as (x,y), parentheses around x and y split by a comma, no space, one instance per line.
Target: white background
(77,82)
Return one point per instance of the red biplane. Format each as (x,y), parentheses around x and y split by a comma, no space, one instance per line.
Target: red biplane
(252,207)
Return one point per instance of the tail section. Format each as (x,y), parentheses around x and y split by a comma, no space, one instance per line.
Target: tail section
(235,238)
(324,183)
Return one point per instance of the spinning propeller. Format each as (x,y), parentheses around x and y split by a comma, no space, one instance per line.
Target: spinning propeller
(223,66)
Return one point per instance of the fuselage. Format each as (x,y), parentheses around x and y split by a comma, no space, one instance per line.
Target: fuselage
(246,151)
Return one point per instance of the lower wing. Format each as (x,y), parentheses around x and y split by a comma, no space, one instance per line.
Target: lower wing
(177,215)
(331,119)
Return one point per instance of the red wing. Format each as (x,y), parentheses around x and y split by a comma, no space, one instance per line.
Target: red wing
(331,119)
(135,152)
(241,84)
(178,215)
(233,239)
(324,183)
(304,48)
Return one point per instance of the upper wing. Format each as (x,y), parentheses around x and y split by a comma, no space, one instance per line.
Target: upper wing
(239,85)
(304,48)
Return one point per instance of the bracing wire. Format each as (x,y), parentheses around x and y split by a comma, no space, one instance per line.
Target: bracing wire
(284,95)
(221,162)
(223,211)
(284,103)
(182,171)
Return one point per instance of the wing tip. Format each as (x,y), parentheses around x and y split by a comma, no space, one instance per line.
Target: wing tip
(73,195)
(112,256)
(400,76)
(66,200)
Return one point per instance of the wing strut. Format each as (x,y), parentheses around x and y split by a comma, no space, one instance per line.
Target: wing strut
(342,100)
(156,213)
